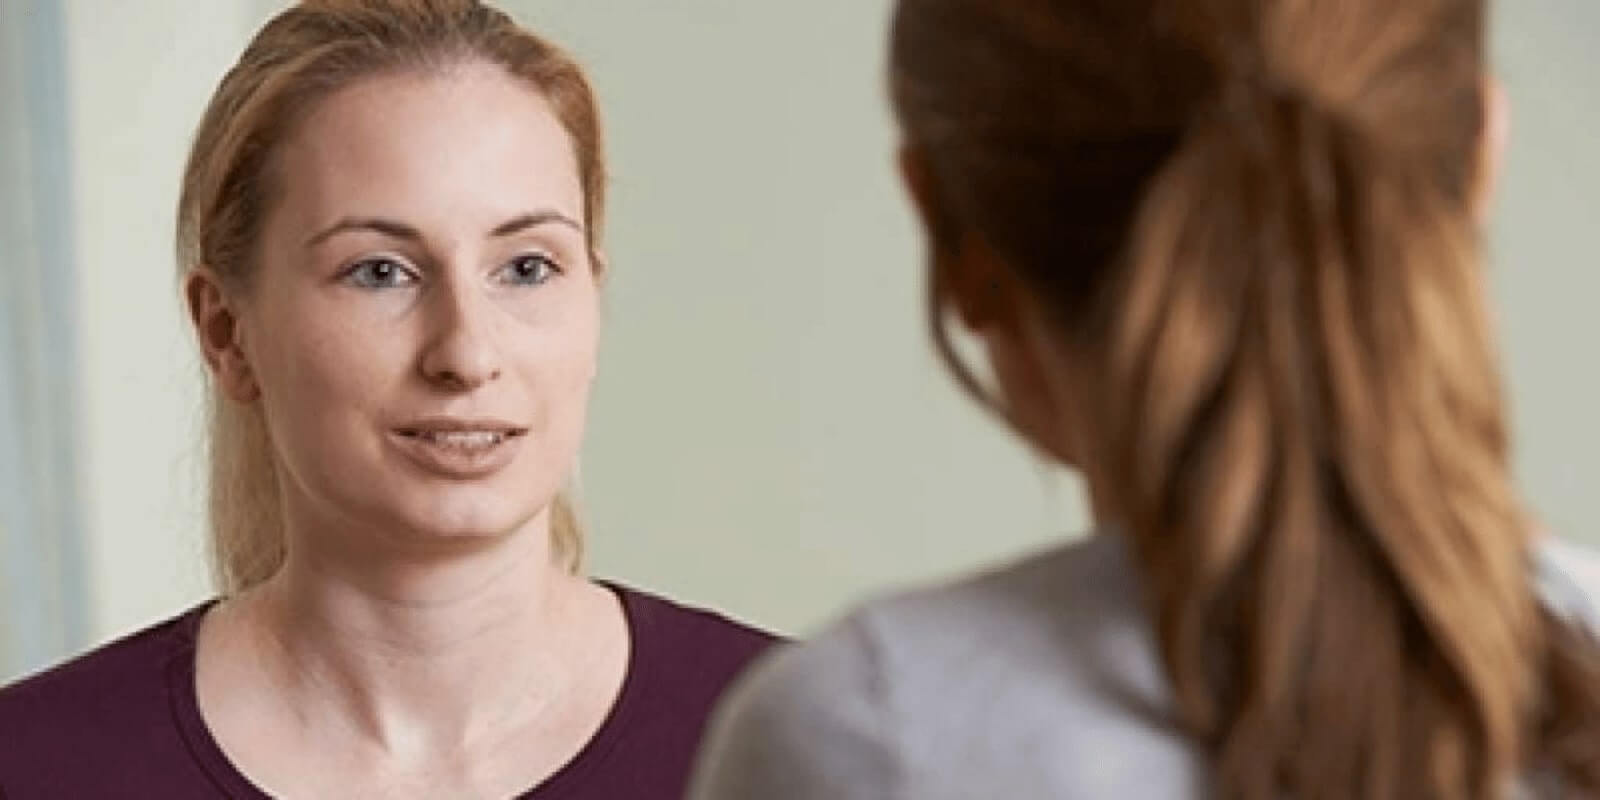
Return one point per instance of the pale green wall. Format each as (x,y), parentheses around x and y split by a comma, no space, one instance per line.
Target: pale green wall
(1547,278)
(139,73)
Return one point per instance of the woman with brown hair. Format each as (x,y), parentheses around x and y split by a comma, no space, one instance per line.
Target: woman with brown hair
(389,240)
(1223,257)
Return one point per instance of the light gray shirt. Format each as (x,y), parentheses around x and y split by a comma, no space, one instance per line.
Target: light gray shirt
(1041,679)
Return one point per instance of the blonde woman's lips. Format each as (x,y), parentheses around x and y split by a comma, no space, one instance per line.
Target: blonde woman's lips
(459,449)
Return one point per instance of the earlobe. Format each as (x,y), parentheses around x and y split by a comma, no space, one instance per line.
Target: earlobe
(966,270)
(216,325)
(985,289)
(1492,145)
(919,188)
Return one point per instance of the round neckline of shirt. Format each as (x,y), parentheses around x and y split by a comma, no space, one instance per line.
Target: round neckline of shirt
(207,752)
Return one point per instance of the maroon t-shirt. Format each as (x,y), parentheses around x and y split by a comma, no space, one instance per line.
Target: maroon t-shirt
(123,720)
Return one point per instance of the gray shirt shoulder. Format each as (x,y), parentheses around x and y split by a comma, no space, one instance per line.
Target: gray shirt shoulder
(1040,679)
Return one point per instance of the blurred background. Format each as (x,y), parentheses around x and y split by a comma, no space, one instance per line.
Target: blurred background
(771,434)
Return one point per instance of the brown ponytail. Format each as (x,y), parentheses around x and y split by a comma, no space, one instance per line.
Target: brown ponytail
(1299,423)
(1311,457)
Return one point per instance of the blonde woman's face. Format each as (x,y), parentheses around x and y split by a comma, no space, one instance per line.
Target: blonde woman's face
(423,324)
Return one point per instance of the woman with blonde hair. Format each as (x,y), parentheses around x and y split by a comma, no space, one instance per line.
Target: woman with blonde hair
(389,239)
(1223,258)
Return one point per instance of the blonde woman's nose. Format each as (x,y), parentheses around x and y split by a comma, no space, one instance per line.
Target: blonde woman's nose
(461,353)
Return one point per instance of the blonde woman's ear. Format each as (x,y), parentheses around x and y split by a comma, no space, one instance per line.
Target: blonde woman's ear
(216,325)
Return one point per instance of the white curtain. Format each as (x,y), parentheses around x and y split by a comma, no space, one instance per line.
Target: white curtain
(42,600)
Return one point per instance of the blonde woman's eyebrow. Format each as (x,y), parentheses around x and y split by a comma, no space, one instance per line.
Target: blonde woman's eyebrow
(521,223)
(400,230)
(388,227)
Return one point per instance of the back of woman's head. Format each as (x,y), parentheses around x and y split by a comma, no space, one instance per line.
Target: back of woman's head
(1255,221)
(299,58)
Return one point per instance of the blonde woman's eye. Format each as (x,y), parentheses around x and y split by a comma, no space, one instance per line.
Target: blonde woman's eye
(379,273)
(528,270)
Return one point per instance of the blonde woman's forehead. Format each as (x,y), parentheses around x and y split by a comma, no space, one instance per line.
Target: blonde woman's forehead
(470,146)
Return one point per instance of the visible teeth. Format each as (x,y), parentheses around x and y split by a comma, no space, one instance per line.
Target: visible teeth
(464,439)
